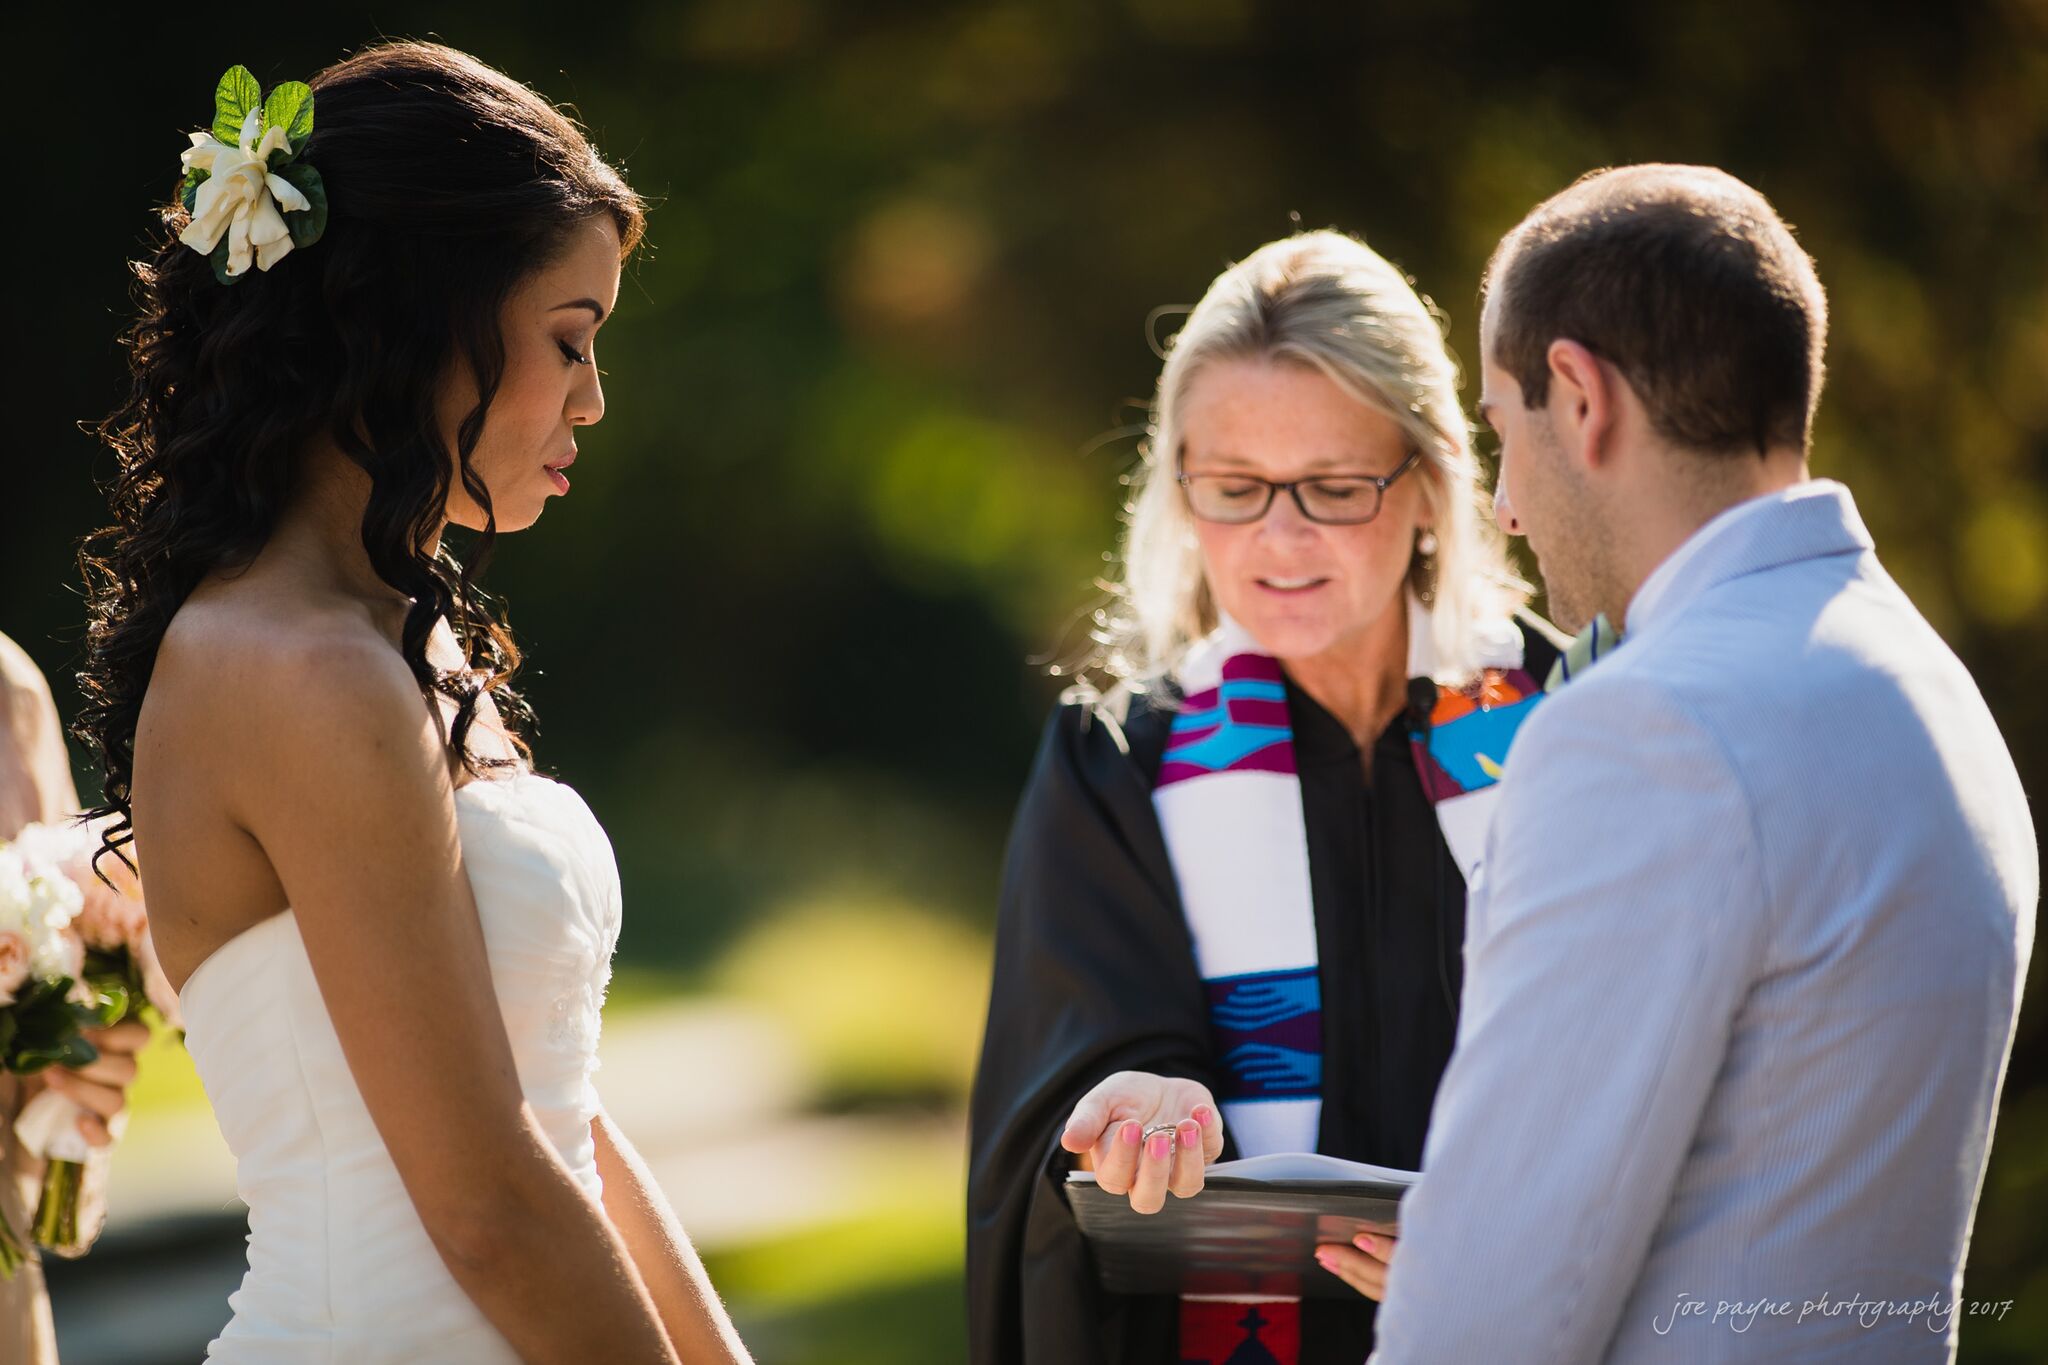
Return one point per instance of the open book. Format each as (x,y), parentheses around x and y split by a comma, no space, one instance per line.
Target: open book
(1251,1232)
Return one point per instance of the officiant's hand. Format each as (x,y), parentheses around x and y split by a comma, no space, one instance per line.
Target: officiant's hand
(1363,1264)
(100,1087)
(1112,1132)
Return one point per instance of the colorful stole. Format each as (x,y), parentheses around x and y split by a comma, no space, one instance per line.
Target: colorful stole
(1591,645)
(1229,804)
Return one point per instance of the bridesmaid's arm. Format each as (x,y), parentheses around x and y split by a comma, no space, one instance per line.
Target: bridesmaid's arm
(36,786)
(35,769)
(697,1323)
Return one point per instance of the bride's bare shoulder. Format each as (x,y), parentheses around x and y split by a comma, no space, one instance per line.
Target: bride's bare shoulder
(240,659)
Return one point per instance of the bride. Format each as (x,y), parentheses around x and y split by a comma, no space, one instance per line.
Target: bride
(393,936)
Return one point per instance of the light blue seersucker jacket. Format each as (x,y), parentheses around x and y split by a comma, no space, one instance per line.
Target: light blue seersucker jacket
(1742,969)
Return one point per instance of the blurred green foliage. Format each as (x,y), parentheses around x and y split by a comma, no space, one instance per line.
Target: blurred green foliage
(874,383)
(883,1000)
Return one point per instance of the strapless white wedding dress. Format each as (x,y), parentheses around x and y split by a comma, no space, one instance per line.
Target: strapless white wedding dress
(341,1271)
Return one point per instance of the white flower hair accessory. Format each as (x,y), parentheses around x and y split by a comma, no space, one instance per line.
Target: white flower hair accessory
(250,196)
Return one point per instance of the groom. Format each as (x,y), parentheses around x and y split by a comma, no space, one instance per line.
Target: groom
(1744,959)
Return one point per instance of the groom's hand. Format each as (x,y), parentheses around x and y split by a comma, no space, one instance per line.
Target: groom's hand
(1363,1264)
(1143,1135)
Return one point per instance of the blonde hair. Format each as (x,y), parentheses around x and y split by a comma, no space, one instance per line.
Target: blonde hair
(1326,300)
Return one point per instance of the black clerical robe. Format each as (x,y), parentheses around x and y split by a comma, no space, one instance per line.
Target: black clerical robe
(1095,973)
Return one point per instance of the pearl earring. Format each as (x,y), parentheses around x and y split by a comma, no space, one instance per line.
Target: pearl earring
(1425,544)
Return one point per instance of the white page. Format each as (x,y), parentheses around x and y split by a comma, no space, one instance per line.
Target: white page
(1311,1166)
(1293,1166)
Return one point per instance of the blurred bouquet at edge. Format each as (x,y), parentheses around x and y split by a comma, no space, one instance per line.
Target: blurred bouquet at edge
(75,954)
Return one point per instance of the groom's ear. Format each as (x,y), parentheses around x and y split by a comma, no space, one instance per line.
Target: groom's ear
(1582,402)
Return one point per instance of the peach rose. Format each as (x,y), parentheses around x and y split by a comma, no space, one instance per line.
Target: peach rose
(14,957)
(108,919)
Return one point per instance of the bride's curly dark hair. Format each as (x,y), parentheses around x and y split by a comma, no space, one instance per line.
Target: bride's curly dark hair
(448,184)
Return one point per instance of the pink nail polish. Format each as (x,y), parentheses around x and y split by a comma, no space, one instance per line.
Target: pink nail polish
(1160,1147)
(1325,1260)
(1203,1115)
(1129,1134)
(1365,1242)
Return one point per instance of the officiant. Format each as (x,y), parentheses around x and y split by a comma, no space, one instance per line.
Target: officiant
(1233,903)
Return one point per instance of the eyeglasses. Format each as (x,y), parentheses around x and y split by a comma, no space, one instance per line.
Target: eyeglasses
(1333,500)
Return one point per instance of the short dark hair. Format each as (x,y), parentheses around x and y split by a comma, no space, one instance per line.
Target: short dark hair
(1688,282)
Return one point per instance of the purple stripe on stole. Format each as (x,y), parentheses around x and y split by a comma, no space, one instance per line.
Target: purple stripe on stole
(1274,758)
(1257,711)
(1277,757)
(1522,682)
(1437,785)
(1180,739)
(1254,666)
(1304,1033)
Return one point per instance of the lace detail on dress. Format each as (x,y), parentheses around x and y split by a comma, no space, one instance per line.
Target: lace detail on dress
(576,1015)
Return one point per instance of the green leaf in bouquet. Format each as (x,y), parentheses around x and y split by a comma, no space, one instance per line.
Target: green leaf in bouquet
(219,259)
(188,193)
(46,1029)
(112,1000)
(73,1051)
(115,978)
(307,224)
(233,98)
(290,107)
(101,962)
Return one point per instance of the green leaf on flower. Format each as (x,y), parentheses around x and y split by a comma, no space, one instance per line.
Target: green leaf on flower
(290,107)
(188,193)
(233,98)
(307,223)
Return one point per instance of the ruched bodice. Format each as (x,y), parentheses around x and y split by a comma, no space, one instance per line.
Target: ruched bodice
(340,1267)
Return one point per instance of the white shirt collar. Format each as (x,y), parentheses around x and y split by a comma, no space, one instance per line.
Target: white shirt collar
(1642,608)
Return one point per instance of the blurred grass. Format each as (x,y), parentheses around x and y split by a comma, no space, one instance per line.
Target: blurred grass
(922,1322)
(882,1287)
(882,997)
(165,1079)
(916,1235)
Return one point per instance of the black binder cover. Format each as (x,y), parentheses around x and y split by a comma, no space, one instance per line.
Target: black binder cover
(1238,1236)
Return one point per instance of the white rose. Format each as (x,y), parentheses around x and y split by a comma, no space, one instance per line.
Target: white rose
(15,895)
(38,901)
(241,198)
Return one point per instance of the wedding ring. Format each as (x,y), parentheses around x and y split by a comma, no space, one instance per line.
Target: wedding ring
(1159,1128)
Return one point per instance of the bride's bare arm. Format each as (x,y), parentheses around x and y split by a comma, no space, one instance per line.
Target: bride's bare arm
(697,1322)
(340,776)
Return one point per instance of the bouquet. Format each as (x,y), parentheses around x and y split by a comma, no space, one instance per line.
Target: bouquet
(75,954)
(40,962)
